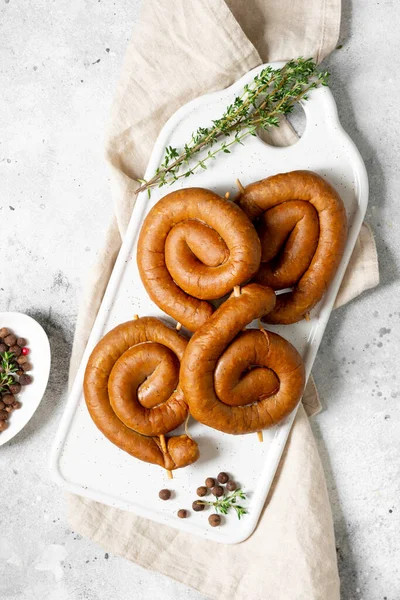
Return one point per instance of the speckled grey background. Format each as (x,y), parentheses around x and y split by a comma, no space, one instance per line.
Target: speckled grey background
(58,67)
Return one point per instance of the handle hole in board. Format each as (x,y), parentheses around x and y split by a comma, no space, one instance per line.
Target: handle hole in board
(290,130)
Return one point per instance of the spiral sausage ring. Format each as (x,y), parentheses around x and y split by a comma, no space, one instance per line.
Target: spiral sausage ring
(131,388)
(195,246)
(302,226)
(241,382)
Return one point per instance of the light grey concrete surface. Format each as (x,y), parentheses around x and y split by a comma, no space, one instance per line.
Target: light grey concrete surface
(58,66)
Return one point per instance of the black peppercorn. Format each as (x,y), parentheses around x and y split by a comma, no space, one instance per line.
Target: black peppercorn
(164,494)
(223,477)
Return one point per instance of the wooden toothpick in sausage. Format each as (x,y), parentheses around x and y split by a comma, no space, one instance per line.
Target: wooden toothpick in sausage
(241,382)
(195,246)
(132,392)
(301,221)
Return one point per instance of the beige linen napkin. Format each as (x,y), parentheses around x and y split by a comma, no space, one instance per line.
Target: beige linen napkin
(180,50)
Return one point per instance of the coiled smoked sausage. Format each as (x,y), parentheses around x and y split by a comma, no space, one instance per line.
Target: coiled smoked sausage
(301,221)
(195,246)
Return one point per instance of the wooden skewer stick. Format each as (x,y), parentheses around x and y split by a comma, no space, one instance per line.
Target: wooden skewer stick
(178,326)
(307,316)
(260,433)
(163,443)
(186,425)
(169,474)
(135,317)
(239,185)
(236,291)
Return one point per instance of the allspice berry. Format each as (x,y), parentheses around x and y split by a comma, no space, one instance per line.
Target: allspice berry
(2,405)
(214,520)
(17,405)
(223,477)
(22,359)
(4,332)
(15,388)
(231,486)
(182,513)
(202,491)
(8,399)
(26,366)
(3,425)
(3,415)
(3,348)
(210,482)
(164,494)
(21,342)
(10,339)
(217,491)
(16,350)
(197,506)
(25,379)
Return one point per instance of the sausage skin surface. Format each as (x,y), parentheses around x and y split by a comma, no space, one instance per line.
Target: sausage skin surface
(302,224)
(195,246)
(241,382)
(132,392)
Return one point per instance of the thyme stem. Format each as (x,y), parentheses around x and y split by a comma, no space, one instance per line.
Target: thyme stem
(273,92)
(224,503)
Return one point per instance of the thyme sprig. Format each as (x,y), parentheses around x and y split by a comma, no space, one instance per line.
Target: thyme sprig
(8,367)
(223,504)
(272,93)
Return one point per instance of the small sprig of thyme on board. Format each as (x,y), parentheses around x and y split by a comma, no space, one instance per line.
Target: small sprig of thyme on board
(272,93)
(223,504)
(8,367)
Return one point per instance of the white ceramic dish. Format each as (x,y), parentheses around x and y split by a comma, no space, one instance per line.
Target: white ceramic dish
(83,460)
(32,394)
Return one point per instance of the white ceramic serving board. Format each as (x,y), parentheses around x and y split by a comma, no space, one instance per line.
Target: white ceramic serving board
(83,460)
(32,394)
